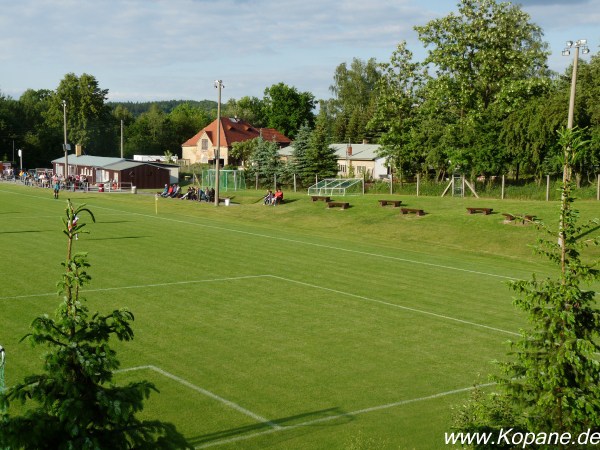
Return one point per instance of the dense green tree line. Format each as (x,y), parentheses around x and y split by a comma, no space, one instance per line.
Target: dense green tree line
(138,108)
(35,122)
(482,102)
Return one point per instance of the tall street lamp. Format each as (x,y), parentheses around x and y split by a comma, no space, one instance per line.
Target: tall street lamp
(219,86)
(581,43)
(66,146)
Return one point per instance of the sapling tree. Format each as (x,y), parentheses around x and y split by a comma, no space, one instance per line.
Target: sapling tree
(74,403)
(551,383)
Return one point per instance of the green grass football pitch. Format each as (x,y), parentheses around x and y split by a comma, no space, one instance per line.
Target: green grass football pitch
(289,327)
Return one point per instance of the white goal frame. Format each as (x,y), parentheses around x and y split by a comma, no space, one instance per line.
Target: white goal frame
(338,186)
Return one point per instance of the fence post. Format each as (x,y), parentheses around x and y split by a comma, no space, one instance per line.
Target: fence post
(391,183)
(418,183)
(256,181)
(275,181)
(502,196)
(547,187)
(294,182)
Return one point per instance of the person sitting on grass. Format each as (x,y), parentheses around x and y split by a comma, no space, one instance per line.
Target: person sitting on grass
(176,191)
(268,198)
(189,192)
(164,192)
(278,197)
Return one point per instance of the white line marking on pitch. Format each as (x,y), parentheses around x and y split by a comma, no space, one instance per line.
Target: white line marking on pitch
(340,416)
(275,427)
(289,280)
(330,247)
(407,308)
(296,241)
(205,392)
(140,286)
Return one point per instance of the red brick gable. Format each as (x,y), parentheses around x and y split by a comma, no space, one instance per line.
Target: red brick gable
(191,142)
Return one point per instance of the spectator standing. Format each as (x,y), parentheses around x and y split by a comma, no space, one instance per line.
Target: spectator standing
(55,186)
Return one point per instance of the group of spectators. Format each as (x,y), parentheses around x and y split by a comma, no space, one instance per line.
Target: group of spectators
(47,179)
(58,183)
(7,174)
(197,194)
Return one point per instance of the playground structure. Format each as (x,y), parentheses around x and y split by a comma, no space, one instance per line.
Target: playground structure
(458,183)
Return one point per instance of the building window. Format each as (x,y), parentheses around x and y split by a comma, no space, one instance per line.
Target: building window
(342,168)
(204,144)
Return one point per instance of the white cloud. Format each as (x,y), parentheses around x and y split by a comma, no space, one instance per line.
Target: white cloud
(146,49)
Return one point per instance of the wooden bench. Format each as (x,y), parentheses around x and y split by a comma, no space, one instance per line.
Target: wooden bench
(396,203)
(343,205)
(524,218)
(485,211)
(418,212)
(314,198)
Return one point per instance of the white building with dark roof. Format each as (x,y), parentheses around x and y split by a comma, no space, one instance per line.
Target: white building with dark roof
(362,157)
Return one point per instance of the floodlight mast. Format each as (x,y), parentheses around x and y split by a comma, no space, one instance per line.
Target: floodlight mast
(219,86)
(581,43)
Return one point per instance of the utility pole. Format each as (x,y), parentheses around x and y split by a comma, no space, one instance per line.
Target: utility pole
(121,138)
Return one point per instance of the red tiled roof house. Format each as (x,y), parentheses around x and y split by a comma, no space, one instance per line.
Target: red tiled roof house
(202,147)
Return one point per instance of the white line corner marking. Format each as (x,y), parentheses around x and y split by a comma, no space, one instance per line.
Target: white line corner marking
(275,427)
(205,392)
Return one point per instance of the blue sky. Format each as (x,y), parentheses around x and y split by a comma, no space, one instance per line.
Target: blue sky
(174,49)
